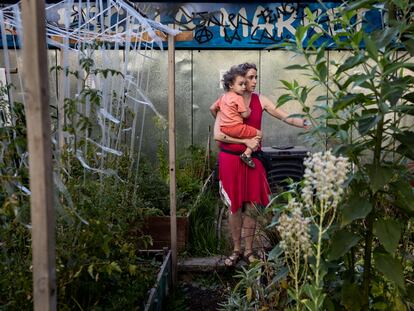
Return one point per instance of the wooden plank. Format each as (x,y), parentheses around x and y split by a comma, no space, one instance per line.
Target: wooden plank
(159,228)
(206,264)
(171,153)
(35,78)
(182,36)
(61,104)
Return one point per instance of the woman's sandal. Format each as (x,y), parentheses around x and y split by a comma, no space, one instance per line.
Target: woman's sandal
(247,160)
(249,258)
(233,259)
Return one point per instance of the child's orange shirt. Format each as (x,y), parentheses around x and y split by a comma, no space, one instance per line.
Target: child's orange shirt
(231,106)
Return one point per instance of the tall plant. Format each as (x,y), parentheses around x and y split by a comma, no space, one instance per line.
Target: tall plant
(368,101)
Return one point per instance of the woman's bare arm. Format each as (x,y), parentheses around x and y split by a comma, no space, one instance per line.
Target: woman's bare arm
(280,113)
(252,143)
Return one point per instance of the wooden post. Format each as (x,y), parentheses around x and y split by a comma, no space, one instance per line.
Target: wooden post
(35,80)
(171,153)
(61,104)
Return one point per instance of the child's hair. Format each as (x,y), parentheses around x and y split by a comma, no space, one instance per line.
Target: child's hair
(230,76)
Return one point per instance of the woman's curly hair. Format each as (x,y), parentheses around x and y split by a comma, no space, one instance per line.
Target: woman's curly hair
(245,67)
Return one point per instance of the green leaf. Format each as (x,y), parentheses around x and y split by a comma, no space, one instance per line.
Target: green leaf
(367,122)
(384,37)
(407,109)
(410,293)
(406,138)
(281,274)
(314,37)
(351,62)
(371,47)
(409,97)
(388,232)
(390,68)
(406,148)
(90,270)
(297,67)
(356,208)
(275,253)
(283,99)
(320,53)
(296,115)
(115,267)
(351,296)
(404,194)
(357,79)
(309,14)
(348,99)
(287,85)
(323,98)
(300,34)
(355,5)
(322,71)
(379,176)
(316,297)
(342,242)
(391,267)
(304,94)
(409,45)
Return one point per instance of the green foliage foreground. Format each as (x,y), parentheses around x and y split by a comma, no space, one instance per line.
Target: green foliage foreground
(365,260)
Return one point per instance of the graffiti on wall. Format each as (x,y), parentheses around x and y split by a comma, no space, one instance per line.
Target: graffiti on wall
(230,25)
(216,25)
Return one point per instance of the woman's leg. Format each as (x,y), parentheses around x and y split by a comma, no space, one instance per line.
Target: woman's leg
(235,222)
(249,230)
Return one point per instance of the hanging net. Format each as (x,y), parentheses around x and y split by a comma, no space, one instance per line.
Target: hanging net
(99,87)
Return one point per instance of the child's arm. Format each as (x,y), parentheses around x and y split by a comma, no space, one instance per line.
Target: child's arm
(241,107)
(246,114)
(215,108)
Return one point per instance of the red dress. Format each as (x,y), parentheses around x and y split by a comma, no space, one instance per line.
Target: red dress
(238,182)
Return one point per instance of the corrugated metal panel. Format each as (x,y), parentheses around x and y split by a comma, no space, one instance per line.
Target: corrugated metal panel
(272,71)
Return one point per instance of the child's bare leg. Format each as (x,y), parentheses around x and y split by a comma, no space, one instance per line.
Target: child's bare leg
(246,156)
(248,152)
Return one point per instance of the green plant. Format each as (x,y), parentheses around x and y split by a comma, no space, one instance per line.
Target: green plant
(320,196)
(98,223)
(369,98)
(261,286)
(204,239)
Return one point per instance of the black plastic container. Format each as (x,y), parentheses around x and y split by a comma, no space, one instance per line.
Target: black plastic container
(286,162)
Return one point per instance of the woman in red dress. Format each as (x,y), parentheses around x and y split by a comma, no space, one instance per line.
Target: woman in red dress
(241,186)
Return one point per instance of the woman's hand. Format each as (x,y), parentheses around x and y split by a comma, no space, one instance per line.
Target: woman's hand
(306,124)
(252,143)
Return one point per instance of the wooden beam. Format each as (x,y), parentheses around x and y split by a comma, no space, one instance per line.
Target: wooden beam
(182,36)
(171,153)
(35,81)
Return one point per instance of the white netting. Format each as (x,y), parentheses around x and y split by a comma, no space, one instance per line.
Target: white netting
(103,74)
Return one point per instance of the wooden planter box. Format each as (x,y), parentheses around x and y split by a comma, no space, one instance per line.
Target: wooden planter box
(158,227)
(161,289)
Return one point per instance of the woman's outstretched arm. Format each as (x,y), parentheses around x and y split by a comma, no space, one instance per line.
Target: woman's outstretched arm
(281,114)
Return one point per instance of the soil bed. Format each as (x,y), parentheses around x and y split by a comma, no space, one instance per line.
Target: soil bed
(201,291)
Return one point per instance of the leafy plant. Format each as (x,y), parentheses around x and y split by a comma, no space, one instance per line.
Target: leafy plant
(99,219)
(364,115)
(260,287)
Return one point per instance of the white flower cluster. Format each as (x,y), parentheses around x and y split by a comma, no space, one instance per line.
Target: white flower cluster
(323,179)
(294,231)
